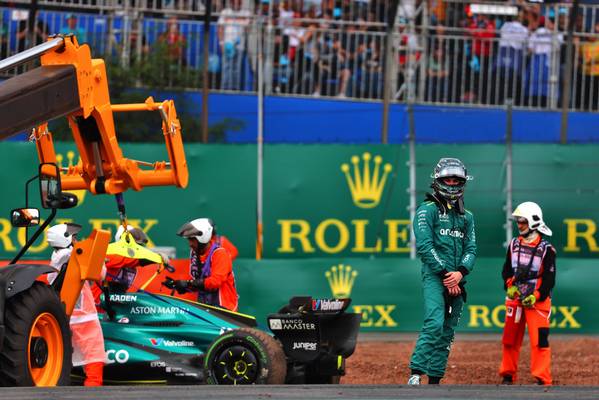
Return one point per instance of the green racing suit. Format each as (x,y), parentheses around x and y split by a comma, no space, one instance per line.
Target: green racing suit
(445,242)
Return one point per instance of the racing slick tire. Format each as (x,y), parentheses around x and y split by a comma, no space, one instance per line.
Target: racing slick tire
(37,342)
(245,356)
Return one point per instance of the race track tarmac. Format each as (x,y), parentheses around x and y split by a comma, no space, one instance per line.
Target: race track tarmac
(302,392)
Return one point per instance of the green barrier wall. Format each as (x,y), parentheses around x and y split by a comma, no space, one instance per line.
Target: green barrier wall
(328,200)
(387,292)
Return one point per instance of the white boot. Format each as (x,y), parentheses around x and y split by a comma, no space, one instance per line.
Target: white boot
(414,380)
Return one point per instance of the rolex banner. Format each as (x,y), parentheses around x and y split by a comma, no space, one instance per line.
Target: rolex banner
(388,295)
(336,201)
(324,200)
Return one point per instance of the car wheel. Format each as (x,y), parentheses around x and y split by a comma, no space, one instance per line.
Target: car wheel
(245,356)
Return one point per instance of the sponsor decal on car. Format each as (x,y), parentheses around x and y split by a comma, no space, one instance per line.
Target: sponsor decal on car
(149,310)
(275,324)
(327,305)
(291,324)
(116,356)
(171,343)
(309,346)
(158,364)
(123,297)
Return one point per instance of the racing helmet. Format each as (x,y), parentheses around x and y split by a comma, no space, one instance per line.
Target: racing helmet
(450,168)
(200,229)
(534,215)
(138,235)
(61,236)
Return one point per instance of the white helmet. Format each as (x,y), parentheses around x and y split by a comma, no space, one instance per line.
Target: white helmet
(201,229)
(534,215)
(61,236)
(138,235)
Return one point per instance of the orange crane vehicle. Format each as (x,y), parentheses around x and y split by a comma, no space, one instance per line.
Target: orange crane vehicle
(35,344)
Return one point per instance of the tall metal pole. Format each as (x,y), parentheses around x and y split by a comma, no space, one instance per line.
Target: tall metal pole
(260,147)
(566,89)
(388,65)
(205,75)
(412,172)
(508,172)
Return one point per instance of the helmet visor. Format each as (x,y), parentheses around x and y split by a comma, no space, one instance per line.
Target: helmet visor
(187,230)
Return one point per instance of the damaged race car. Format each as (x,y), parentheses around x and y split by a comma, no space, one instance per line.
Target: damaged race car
(153,338)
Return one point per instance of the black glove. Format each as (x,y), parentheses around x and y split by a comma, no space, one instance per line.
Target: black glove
(182,286)
(169,283)
(196,284)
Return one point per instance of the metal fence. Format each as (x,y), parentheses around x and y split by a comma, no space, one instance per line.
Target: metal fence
(455,54)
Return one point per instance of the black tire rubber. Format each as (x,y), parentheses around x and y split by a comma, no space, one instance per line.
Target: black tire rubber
(271,366)
(20,313)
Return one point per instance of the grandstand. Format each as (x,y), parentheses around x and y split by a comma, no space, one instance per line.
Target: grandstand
(442,52)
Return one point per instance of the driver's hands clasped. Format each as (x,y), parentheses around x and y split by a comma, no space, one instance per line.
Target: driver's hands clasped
(452,279)
(454,291)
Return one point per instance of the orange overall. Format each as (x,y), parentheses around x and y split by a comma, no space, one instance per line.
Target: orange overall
(215,268)
(87,337)
(530,266)
(223,241)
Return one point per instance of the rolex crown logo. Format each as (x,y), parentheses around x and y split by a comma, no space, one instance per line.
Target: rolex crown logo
(341,280)
(70,163)
(366,186)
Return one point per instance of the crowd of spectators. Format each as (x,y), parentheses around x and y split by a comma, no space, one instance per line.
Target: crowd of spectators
(465,56)
(458,54)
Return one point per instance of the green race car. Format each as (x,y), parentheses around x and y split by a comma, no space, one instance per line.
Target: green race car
(155,338)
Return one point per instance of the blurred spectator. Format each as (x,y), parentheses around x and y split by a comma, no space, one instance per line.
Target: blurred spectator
(138,44)
(295,33)
(589,76)
(330,57)
(438,76)
(22,35)
(281,65)
(482,29)
(232,26)
(256,30)
(330,60)
(542,64)
(313,8)
(371,71)
(408,49)
(4,43)
(73,28)
(353,42)
(307,56)
(437,11)
(285,20)
(41,32)
(509,63)
(175,42)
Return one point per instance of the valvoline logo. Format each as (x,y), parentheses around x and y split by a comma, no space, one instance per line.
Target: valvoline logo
(171,343)
(315,305)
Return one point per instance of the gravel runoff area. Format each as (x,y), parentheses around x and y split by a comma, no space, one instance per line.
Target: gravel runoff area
(379,370)
(383,359)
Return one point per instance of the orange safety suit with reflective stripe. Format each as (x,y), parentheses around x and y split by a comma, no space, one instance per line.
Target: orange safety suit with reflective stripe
(221,278)
(223,241)
(87,337)
(530,266)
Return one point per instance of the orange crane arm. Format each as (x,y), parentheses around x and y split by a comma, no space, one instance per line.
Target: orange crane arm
(70,83)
